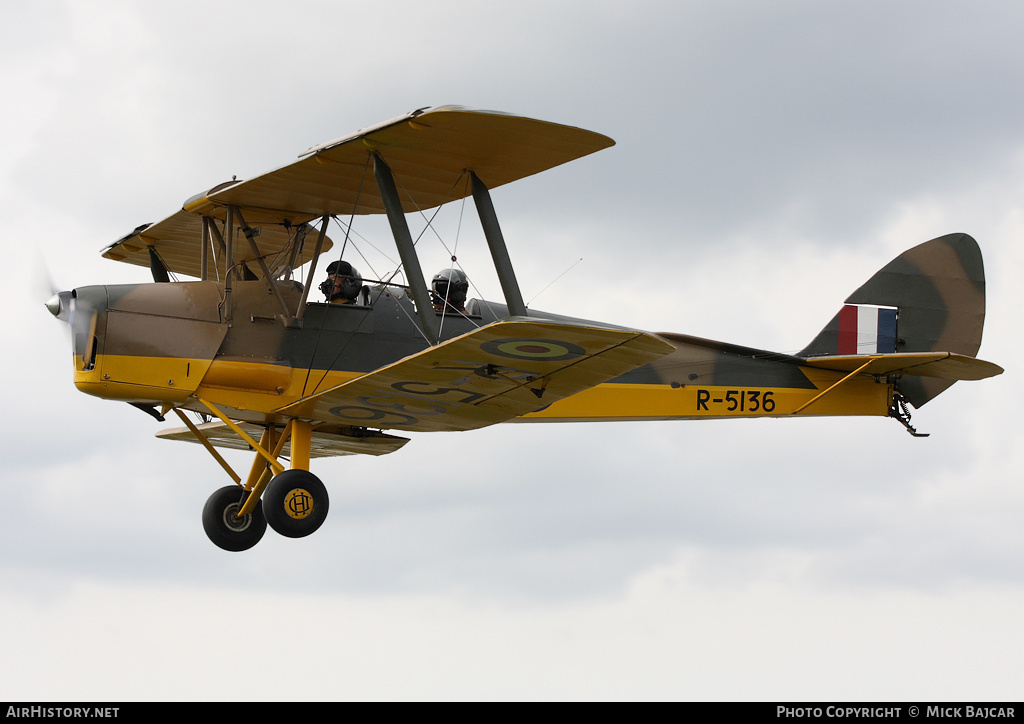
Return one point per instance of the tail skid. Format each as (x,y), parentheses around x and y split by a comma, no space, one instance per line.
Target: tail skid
(898,410)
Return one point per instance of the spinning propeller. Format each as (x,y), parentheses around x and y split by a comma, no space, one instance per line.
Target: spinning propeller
(59,303)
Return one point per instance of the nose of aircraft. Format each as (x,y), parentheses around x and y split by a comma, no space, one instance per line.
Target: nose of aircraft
(60,306)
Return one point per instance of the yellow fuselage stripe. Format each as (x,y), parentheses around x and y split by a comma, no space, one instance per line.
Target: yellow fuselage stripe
(254,386)
(664,402)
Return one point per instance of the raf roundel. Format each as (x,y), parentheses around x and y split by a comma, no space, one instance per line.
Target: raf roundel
(538,349)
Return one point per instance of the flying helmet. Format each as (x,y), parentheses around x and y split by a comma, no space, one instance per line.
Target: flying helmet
(451,285)
(351,281)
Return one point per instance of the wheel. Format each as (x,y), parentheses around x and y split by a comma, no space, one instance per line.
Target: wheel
(295,503)
(225,528)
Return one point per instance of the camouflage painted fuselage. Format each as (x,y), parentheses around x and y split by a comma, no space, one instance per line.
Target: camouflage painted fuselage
(172,343)
(158,344)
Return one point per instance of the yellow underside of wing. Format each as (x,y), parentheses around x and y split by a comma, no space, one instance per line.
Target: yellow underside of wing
(178,240)
(323,443)
(429,153)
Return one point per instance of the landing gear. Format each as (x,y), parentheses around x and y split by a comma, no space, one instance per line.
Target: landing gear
(295,503)
(225,527)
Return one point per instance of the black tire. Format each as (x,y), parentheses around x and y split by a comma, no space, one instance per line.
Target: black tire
(224,528)
(295,503)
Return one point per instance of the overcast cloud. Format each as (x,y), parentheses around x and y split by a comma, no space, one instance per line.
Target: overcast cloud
(770,157)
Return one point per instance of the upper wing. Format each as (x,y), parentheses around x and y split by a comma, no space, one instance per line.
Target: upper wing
(495,373)
(942,365)
(429,152)
(178,240)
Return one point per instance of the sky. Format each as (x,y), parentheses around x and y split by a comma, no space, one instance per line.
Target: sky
(770,157)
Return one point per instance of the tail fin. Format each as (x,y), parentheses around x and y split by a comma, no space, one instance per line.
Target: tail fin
(938,290)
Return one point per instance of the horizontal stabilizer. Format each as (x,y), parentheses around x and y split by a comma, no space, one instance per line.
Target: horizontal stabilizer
(324,444)
(495,373)
(940,365)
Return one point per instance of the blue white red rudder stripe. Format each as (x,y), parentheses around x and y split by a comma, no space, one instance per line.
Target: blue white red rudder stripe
(866,329)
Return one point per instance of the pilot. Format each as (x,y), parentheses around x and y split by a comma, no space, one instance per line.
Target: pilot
(342,284)
(448,291)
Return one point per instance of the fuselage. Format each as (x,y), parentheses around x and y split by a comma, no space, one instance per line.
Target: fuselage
(171,343)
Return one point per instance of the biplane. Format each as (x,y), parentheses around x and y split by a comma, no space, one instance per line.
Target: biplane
(249,359)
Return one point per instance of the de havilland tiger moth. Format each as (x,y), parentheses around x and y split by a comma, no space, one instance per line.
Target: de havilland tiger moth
(264,365)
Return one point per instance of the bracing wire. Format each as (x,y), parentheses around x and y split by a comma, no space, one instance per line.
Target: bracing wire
(551,283)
